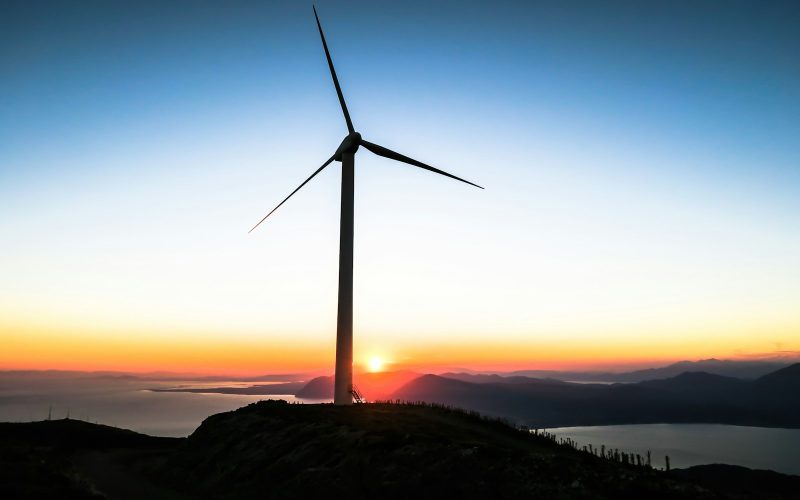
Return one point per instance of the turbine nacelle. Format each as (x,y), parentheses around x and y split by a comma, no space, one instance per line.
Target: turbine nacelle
(350,144)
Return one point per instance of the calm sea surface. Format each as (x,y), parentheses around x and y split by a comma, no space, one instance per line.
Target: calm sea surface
(695,444)
(131,405)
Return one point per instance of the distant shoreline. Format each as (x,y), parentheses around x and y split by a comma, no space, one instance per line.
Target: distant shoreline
(278,389)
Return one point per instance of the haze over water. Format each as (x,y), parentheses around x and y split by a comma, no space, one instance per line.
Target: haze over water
(129,404)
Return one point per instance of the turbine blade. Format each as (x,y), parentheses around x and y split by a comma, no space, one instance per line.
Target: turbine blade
(333,74)
(388,153)
(293,192)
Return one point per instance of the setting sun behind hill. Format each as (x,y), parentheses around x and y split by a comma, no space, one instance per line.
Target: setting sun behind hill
(375,364)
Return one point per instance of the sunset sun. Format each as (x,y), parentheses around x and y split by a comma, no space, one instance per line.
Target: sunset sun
(375,364)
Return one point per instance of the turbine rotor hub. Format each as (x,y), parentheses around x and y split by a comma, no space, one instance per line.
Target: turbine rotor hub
(350,144)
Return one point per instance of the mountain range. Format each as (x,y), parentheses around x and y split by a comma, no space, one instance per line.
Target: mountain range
(771,400)
(727,367)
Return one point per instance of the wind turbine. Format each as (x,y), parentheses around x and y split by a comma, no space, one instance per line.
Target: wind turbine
(345,153)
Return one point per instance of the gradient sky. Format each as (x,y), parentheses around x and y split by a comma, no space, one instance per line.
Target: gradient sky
(641,163)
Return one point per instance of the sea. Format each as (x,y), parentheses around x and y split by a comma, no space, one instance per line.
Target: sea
(130,404)
(697,444)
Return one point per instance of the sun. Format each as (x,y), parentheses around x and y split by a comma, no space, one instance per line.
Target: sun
(375,364)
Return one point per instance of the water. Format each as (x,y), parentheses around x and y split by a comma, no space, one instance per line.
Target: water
(122,403)
(696,444)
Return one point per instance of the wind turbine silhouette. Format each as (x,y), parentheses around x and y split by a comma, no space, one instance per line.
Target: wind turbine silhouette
(345,153)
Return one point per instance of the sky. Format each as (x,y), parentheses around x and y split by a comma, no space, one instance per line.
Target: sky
(640,160)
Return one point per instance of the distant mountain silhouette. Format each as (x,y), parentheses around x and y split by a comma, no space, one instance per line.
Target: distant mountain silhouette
(273,449)
(701,387)
(724,367)
(284,388)
(788,377)
(702,381)
(771,400)
(374,386)
(728,368)
(480,378)
(317,388)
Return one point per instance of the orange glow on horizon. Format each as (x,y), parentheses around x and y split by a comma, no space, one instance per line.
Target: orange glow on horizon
(208,354)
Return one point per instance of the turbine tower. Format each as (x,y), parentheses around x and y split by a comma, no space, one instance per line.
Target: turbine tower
(345,153)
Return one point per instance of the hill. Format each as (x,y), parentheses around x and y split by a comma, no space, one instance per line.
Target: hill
(375,386)
(772,400)
(741,481)
(55,459)
(788,377)
(72,434)
(273,449)
(703,388)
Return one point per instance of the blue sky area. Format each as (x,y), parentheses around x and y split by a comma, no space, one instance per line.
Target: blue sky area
(641,164)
